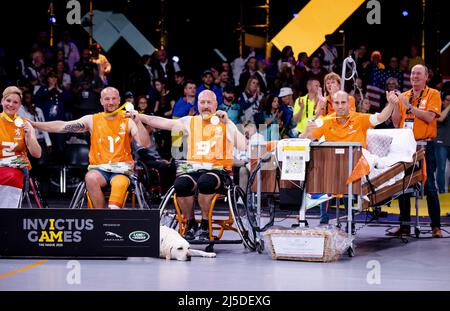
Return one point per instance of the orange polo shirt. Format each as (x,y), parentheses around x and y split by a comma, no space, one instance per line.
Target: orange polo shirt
(328,108)
(430,101)
(354,130)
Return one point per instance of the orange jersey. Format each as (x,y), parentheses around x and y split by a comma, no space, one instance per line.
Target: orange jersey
(328,108)
(110,140)
(12,140)
(354,130)
(430,101)
(207,143)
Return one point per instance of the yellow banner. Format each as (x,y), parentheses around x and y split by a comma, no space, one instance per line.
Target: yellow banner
(306,32)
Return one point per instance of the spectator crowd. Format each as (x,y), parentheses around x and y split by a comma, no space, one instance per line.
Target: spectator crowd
(276,96)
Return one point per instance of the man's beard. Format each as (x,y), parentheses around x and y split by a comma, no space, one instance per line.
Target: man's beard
(110,109)
(341,115)
(206,114)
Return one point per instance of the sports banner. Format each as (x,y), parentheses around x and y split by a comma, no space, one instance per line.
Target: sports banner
(79,233)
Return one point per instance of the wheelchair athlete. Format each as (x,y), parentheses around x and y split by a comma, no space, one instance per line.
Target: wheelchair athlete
(110,151)
(211,137)
(17,136)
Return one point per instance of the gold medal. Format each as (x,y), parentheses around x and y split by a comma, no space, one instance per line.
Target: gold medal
(319,122)
(18,122)
(215,120)
(129,106)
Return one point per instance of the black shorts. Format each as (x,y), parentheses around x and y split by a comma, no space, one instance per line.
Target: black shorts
(225,178)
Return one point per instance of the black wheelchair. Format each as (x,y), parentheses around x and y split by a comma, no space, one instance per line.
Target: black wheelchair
(233,218)
(31,192)
(138,195)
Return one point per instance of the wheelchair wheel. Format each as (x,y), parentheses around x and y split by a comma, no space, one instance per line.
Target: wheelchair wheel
(147,178)
(142,174)
(252,205)
(140,193)
(260,246)
(79,197)
(42,201)
(209,248)
(167,211)
(239,209)
(34,196)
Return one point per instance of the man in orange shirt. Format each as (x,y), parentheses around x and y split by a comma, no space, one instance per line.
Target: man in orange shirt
(211,137)
(111,135)
(332,83)
(347,126)
(419,111)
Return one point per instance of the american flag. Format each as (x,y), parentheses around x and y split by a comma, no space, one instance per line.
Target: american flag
(376,86)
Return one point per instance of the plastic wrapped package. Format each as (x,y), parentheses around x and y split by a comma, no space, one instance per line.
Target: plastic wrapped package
(323,243)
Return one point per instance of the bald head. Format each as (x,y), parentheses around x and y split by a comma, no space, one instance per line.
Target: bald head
(109,90)
(420,67)
(340,94)
(110,99)
(341,104)
(207,102)
(419,76)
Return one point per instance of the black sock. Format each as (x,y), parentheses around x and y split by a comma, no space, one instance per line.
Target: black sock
(191,224)
(204,224)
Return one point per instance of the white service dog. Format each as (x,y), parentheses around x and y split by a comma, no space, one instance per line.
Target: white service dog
(173,246)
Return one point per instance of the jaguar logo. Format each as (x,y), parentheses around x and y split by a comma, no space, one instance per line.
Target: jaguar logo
(113,235)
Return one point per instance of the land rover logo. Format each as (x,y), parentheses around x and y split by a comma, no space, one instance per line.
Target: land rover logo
(139,236)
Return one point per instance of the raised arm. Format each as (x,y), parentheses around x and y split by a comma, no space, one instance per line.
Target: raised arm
(31,142)
(321,100)
(427,116)
(137,129)
(310,129)
(298,115)
(84,124)
(387,111)
(396,113)
(233,134)
(161,123)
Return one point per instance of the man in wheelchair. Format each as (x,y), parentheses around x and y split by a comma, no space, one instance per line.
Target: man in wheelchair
(211,137)
(17,136)
(110,155)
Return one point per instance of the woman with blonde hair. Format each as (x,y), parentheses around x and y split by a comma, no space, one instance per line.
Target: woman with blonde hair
(17,137)
(332,84)
(250,99)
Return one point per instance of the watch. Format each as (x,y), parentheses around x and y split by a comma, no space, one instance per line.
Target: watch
(409,110)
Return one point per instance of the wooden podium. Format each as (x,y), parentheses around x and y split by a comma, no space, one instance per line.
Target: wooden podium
(327,171)
(329,167)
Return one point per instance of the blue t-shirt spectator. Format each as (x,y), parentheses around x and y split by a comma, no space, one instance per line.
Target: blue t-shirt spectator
(217,90)
(182,108)
(288,121)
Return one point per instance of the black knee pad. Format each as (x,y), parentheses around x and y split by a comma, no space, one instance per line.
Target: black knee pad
(208,184)
(184,186)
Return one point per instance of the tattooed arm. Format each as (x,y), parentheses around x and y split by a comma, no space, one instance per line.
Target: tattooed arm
(83,124)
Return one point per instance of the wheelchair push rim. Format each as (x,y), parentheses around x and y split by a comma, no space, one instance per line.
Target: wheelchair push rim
(167,212)
(239,209)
